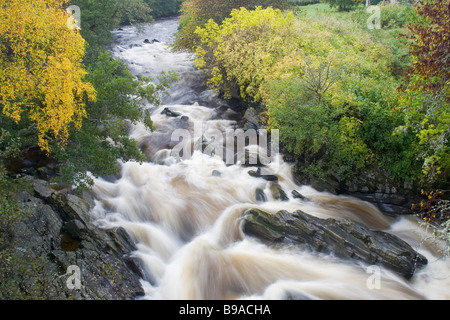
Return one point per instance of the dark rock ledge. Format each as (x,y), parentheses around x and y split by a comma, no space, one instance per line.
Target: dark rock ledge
(344,239)
(57,233)
(374,186)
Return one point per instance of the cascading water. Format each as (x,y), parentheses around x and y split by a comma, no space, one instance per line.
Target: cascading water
(185,213)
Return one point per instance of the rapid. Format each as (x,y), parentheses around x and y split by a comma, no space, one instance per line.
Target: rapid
(184,212)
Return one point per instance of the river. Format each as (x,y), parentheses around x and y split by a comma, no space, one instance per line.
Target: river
(184,212)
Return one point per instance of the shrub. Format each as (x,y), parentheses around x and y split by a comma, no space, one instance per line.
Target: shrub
(393,16)
(302,2)
(104,135)
(398,15)
(164,8)
(426,95)
(245,49)
(343,5)
(195,13)
(434,209)
(325,83)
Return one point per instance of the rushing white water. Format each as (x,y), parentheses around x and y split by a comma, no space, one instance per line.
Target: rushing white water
(185,214)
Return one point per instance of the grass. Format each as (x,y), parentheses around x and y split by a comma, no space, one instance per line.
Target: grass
(322,8)
(313,9)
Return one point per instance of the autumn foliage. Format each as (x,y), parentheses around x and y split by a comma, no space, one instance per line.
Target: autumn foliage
(434,208)
(431,46)
(247,49)
(41,71)
(195,13)
(426,95)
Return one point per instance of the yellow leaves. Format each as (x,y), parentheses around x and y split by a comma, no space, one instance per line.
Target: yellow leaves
(245,48)
(216,80)
(41,72)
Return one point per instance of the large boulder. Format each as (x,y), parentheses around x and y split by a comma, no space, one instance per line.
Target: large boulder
(345,239)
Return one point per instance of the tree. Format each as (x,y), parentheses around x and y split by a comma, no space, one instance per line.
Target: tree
(104,136)
(333,106)
(324,83)
(131,11)
(430,46)
(100,17)
(41,71)
(164,8)
(245,49)
(195,13)
(426,96)
(343,5)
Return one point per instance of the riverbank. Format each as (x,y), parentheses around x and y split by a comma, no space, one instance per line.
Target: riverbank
(175,228)
(56,251)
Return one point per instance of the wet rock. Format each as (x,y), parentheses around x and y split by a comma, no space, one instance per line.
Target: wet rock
(168,112)
(216,173)
(386,202)
(278,192)
(344,239)
(292,295)
(252,119)
(75,229)
(34,162)
(147,41)
(373,185)
(253,173)
(329,184)
(41,188)
(260,195)
(57,233)
(258,174)
(71,207)
(202,144)
(249,159)
(298,195)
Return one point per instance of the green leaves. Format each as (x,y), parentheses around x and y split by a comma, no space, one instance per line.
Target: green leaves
(244,49)
(104,136)
(426,96)
(196,13)
(344,5)
(100,17)
(325,83)
(163,8)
